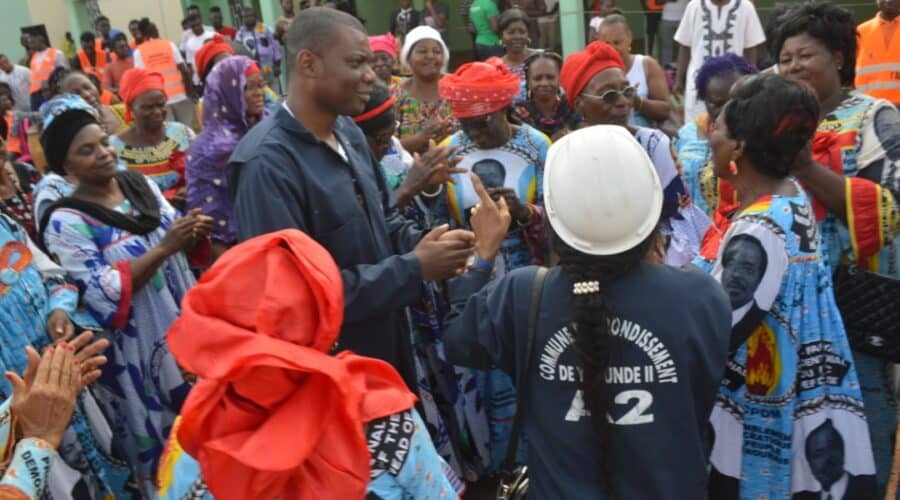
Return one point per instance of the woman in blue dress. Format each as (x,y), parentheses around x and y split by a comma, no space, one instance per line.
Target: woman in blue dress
(788,421)
(714,81)
(123,244)
(509,159)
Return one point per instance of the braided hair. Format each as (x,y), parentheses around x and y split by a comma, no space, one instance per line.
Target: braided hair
(591,314)
(545,54)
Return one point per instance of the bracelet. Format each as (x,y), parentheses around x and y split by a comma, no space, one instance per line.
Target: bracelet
(435,194)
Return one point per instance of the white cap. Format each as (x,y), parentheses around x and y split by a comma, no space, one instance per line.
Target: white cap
(601,191)
(418,34)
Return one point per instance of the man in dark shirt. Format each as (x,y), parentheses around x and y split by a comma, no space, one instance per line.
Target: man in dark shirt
(309,167)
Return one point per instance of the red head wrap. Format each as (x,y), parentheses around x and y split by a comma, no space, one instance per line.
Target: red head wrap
(384,43)
(275,303)
(479,88)
(252,69)
(137,81)
(580,67)
(213,47)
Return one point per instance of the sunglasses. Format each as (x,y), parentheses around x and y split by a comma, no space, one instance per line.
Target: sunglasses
(611,96)
(479,123)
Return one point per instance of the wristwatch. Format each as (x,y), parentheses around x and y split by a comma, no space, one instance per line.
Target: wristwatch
(477,264)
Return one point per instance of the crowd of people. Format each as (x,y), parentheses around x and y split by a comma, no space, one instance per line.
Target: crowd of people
(310,261)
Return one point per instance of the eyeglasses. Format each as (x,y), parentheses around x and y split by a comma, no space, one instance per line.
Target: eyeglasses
(611,96)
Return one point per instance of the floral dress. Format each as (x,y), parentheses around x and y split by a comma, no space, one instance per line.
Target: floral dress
(31,287)
(162,163)
(142,388)
(413,114)
(789,417)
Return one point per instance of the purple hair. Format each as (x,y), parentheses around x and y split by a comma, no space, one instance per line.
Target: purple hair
(726,64)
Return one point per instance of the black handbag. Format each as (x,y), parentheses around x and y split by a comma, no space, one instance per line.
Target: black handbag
(870,307)
(514,480)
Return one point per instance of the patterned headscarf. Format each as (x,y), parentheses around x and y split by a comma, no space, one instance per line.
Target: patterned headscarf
(225,123)
(479,88)
(62,117)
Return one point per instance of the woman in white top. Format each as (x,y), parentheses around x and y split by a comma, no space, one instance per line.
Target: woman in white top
(712,28)
(651,98)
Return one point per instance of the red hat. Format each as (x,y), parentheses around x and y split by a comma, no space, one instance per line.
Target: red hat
(275,304)
(479,88)
(213,47)
(137,81)
(580,67)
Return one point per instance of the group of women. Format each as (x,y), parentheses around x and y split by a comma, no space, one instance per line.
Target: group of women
(770,206)
(784,179)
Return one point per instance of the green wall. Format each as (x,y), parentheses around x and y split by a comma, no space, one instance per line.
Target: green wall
(15,14)
(377,13)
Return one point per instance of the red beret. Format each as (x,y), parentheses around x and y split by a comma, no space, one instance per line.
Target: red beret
(580,67)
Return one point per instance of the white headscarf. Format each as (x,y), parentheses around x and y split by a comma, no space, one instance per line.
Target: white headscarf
(417,35)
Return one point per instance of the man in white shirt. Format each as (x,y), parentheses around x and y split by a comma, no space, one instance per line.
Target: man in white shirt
(191,10)
(671,16)
(18,78)
(711,28)
(195,40)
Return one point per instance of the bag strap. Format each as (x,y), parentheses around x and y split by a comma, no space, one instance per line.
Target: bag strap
(537,289)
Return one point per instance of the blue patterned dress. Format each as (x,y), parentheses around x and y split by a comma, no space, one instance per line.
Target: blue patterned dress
(142,388)
(692,152)
(518,164)
(31,287)
(788,419)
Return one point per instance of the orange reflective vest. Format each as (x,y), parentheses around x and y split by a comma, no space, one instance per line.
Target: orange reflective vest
(13,145)
(41,73)
(157,56)
(98,67)
(877,64)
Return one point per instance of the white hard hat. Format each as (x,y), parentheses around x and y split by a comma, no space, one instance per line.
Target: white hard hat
(601,191)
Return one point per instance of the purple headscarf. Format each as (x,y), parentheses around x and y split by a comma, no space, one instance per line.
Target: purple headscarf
(224,124)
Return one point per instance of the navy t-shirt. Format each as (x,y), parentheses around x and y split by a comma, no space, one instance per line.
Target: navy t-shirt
(668,355)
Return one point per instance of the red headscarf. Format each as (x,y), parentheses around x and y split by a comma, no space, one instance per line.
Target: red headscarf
(215,46)
(580,67)
(479,88)
(384,43)
(273,415)
(135,82)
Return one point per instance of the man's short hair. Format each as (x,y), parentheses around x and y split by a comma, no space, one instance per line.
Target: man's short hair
(100,18)
(215,8)
(193,18)
(313,30)
(88,36)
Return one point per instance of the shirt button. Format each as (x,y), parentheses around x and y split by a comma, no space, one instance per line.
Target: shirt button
(217,182)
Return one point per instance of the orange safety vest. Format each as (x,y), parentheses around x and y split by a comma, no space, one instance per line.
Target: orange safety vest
(13,144)
(654,5)
(96,68)
(40,74)
(877,65)
(157,56)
